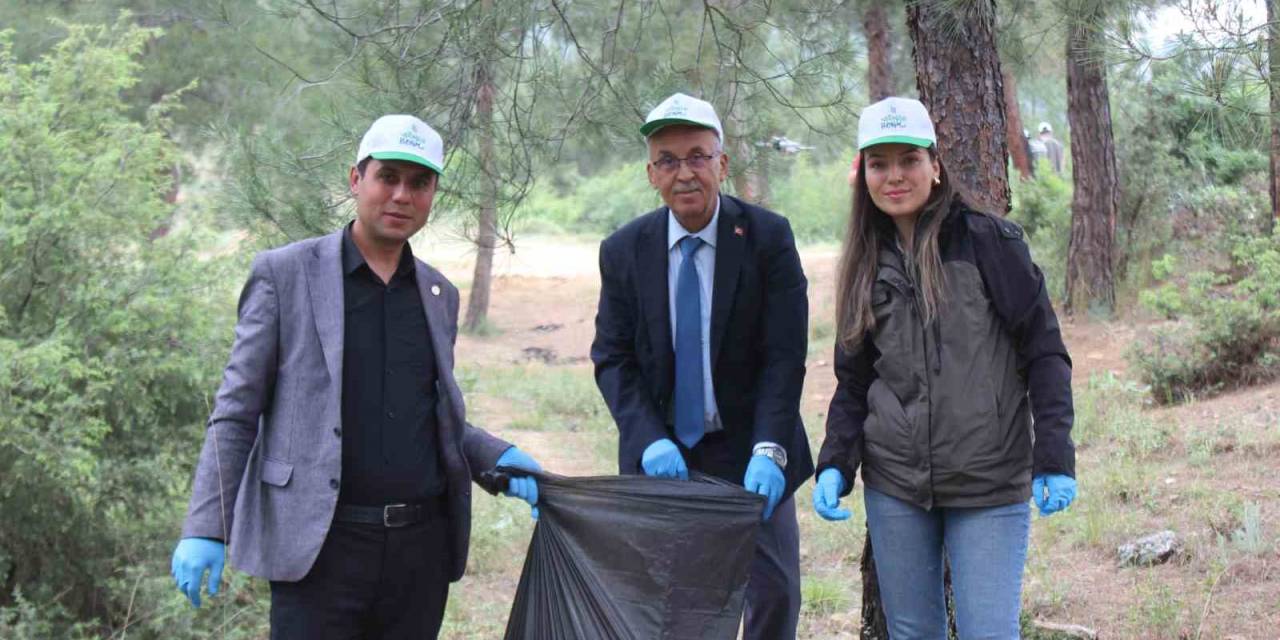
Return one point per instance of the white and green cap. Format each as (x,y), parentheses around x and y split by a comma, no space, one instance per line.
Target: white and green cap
(682,109)
(401,137)
(896,120)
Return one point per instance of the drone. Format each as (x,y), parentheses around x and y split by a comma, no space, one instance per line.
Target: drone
(784,144)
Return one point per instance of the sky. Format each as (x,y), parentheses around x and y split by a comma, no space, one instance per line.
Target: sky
(1192,16)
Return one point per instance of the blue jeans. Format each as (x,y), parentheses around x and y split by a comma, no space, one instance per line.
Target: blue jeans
(987,547)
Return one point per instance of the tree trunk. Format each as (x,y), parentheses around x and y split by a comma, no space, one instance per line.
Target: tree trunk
(875,25)
(1013,126)
(958,74)
(874,625)
(737,144)
(1096,198)
(1273,77)
(487,228)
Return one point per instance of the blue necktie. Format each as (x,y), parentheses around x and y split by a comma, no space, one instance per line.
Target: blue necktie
(690,407)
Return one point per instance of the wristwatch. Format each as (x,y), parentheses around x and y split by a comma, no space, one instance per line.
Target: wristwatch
(773,452)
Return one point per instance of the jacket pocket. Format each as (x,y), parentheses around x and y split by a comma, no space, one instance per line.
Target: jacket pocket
(276,472)
(879,294)
(887,430)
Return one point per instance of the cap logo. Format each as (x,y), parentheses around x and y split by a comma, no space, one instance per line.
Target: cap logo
(893,120)
(676,110)
(410,138)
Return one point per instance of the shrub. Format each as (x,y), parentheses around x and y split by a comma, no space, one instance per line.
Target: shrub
(111,335)
(1230,331)
(814,197)
(1043,207)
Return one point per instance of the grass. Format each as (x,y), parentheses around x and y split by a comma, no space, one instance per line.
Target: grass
(544,397)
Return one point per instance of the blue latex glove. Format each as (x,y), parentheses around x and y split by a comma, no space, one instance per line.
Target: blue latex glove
(523,487)
(190,560)
(1053,492)
(662,459)
(826,495)
(765,478)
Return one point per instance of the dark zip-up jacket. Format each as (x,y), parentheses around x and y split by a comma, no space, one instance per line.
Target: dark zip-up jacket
(942,415)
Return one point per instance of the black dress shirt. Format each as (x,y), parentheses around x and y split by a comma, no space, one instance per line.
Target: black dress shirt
(389,443)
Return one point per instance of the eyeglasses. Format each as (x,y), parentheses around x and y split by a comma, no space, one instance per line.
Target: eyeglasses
(695,161)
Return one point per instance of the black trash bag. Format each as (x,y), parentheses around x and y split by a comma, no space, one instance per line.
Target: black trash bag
(631,557)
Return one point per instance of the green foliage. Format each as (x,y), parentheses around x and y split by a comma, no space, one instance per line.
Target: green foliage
(1192,164)
(613,198)
(815,197)
(23,620)
(107,331)
(812,194)
(1230,332)
(1043,207)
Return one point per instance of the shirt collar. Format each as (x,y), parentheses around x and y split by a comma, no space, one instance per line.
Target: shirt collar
(676,232)
(352,259)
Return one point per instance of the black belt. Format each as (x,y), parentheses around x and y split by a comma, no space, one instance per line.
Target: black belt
(392,515)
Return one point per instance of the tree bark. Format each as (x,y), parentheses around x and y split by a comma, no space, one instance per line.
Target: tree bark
(1273,77)
(737,144)
(487,228)
(959,78)
(875,25)
(874,625)
(1013,126)
(1096,196)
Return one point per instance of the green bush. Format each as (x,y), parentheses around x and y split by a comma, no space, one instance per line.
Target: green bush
(1043,207)
(594,206)
(814,197)
(1230,331)
(111,336)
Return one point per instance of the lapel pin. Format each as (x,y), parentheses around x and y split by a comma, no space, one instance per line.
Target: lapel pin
(435,289)
(737,231)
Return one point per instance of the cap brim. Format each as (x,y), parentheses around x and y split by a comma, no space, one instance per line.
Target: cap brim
(653,125)
(407,157)
(912,140)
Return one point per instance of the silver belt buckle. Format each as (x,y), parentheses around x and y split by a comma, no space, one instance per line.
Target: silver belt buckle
(386,513)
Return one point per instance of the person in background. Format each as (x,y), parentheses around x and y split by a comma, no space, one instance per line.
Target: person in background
(953,390)
(700,346)
(338,461)
(1052,148)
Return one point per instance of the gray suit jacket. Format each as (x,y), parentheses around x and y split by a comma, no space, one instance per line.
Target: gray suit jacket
(268,476)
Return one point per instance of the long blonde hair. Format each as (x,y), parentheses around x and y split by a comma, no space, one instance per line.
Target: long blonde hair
(868,228)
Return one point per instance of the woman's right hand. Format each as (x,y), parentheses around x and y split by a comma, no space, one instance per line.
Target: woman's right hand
(826,495)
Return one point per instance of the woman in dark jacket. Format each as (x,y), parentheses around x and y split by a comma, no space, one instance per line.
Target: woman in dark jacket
(947,353)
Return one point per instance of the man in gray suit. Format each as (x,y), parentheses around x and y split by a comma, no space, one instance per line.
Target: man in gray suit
(337,462)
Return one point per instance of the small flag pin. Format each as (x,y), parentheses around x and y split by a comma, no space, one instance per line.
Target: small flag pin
(737,231)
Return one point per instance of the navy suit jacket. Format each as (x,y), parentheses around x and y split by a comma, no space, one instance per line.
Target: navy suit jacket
(759,337)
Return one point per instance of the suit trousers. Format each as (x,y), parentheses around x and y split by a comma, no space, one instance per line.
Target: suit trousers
(369,582)
(773,589)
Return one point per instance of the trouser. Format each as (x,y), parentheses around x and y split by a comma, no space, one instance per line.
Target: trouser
(772,609)
(369,582)
(987,548)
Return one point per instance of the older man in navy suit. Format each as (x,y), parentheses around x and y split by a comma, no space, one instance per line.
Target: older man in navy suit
(701,338)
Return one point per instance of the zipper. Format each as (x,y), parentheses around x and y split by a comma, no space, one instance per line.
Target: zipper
(915,305)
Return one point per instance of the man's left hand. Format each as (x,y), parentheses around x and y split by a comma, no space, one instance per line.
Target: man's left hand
(765,478)
(523,487)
